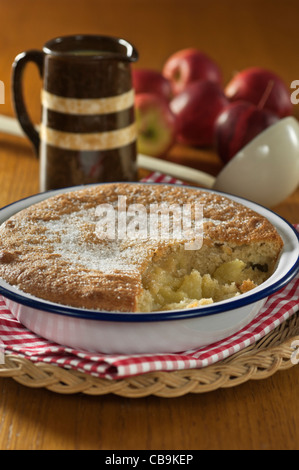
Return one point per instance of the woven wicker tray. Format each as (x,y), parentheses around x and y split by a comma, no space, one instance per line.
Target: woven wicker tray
(272,353)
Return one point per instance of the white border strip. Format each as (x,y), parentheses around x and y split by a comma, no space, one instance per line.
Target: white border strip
(88,106)
(89,141)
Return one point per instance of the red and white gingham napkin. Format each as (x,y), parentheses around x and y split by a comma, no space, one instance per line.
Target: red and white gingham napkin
(16,339)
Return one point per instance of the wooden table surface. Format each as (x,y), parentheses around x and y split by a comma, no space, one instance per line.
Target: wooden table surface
(256,415)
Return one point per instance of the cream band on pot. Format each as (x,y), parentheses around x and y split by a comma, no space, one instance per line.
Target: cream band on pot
(89,141)
(88,106)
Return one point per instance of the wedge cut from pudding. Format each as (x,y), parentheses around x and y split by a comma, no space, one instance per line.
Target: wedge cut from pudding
(95,248)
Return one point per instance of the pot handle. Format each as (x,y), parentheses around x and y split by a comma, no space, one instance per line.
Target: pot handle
(18,97)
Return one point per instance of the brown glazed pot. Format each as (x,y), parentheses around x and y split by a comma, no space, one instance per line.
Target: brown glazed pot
(87,133)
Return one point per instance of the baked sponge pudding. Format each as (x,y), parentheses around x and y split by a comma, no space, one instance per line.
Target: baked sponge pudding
(52,250)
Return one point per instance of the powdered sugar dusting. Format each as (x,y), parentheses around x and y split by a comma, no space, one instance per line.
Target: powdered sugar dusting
(67,236)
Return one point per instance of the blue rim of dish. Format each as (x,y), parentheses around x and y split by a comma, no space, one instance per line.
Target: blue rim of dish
(213,309)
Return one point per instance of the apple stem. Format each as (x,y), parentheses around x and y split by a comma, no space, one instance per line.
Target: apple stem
(266,94)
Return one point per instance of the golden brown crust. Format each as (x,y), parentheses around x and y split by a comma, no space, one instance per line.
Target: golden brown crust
(51,251)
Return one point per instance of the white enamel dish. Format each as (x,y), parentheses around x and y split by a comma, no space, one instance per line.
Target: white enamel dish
(155,332)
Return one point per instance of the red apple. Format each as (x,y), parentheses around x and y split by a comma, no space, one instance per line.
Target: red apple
(258,85)
(237,125)
(196,110)
(156,124)
(186,66)
(151,81)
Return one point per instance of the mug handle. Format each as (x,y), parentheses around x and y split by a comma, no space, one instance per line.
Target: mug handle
(17,91)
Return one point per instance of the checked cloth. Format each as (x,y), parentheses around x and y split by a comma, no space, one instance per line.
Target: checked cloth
(16,339)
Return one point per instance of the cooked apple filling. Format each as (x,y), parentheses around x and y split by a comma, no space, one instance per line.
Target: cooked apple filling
(171,284)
